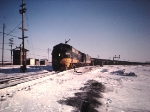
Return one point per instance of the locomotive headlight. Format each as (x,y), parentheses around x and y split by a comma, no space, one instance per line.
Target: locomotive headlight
(59,54)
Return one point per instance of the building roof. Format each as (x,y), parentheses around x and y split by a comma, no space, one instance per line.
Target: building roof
(43,59)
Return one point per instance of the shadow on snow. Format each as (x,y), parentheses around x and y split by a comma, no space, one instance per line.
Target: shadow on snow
(29,69)
(122,73)
(87,100)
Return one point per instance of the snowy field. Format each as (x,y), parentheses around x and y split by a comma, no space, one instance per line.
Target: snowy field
(114,88)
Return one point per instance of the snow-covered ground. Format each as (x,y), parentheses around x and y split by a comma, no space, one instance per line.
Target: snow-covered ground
(113,88)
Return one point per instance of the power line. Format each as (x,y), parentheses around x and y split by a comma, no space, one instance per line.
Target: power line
(5,49)
(13,29)
(37,48)
(14,32)
(13,35)
(4,43)
(10,35)
(35,54)
(29,35)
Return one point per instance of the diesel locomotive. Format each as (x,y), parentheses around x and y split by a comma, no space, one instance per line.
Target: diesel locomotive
(65,57)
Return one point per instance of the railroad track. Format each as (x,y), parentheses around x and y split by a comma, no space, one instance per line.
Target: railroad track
(15,80)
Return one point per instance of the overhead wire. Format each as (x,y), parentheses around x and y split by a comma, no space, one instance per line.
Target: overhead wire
(30,44)
(5,49)
(37,48)
(13,29)
(37,55)
(11,35)
(29,34)
(6,34)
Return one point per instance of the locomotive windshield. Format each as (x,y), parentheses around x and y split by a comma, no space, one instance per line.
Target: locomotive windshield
(61,51)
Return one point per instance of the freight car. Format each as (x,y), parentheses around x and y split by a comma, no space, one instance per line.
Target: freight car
(95,61)
(65,57)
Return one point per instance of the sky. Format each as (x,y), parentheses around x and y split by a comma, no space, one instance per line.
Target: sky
(100,28)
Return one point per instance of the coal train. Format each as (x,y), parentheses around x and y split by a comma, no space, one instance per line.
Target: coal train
(66,57)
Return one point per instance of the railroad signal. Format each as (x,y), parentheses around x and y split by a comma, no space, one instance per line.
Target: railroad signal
(10,44)
(116,57)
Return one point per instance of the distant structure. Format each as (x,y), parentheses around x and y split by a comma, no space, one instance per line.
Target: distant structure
(37,62)
(44,62)
(18,56)
(32,61)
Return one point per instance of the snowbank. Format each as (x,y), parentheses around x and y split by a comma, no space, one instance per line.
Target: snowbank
(99,89)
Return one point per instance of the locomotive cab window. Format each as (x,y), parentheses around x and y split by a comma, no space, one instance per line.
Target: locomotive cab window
(67,55)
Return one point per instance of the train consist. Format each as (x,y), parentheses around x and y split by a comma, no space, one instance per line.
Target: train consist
(65,57)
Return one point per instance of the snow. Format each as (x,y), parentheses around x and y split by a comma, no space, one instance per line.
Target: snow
(124,89)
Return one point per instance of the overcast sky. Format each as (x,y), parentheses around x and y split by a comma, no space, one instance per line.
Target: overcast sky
(95,27)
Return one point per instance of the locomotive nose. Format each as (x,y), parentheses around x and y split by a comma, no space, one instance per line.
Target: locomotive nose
(55,64)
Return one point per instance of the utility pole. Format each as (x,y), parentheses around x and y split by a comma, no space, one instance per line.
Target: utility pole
(48,52)
(11,43)
(3,45)
(22,11)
